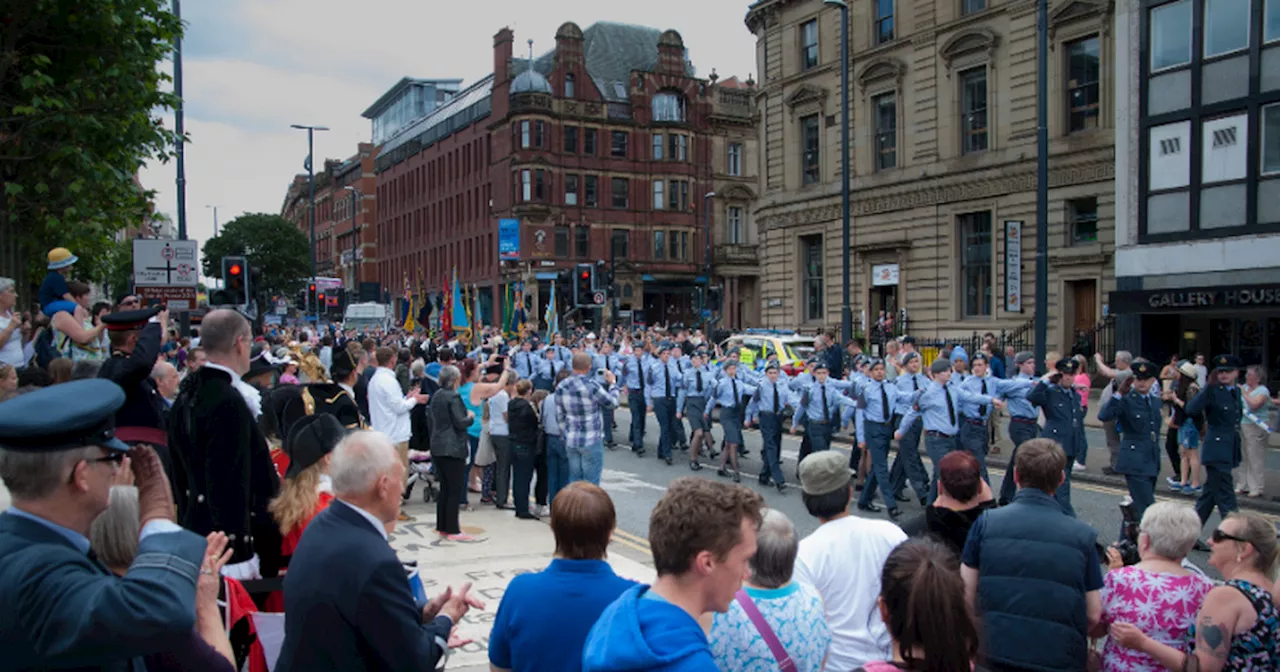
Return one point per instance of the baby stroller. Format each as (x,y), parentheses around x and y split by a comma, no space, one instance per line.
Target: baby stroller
(421,471)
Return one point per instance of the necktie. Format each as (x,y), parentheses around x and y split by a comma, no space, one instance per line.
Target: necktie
(884,401)
(826,416)
(734,383)
(982,410)
(606,364)
(915,384)
(776,405)
(680,366)
(641,376)
(951,405)
(667,370)
(699,381)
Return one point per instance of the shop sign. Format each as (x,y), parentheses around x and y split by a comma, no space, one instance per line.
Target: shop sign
(1196,299)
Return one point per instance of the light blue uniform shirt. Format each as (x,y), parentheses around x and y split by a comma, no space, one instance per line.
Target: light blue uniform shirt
(525,363)
(744,374)
(801,382)
(549,368)
(908,384)
(763,400)
(995,387)
(723,394)
(836,401)
(689,384)
(633,367)
(932,405)
(1019,407)
(873,401)
(609,362)
(550,423)
(655,384)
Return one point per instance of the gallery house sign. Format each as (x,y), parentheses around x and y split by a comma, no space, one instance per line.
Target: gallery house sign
(1196,299)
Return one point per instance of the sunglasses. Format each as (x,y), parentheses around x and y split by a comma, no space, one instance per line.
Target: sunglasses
(1219,536)
(114,457)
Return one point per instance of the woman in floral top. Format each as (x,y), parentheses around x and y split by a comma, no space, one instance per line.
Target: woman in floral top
(1158,595)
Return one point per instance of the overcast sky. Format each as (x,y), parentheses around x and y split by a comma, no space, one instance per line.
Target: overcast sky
(253,67)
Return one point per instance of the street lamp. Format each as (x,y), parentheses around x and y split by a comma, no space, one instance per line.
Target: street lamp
(706,289)
(215,218)
(846,237)
(355,270)
(311,186)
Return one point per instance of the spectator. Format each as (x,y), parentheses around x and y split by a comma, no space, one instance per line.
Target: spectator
(500,435)
(524,638)
(34,377)
(403,375)
(60,370)
(289,372)
(166,378)
(962,497)
(196,359)
(841,560)
(55,293)
(74,334)
(1036,620)
(85,368)
(326,352)
(8,379)
(450,449)
(791,610)
(524,427)
(702,534)
(1257,402)
(1158,594)
(347,603)
(1238,627)
(307,489)
(922,602)
(11,324)
(1186,431)
(557,459)
(578,403)
(389,408)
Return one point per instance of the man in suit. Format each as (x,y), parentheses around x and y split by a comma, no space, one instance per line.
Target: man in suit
(59,457)
(347,604)
(136,337)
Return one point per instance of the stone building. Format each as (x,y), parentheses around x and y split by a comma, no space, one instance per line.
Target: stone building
(943,107)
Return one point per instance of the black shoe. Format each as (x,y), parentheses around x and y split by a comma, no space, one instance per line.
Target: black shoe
(924,501)
(764,480)
(902,497)
(611,445)
(743,452)
(869,508)
(782,488)
(858,487)
(895,513)
(668,460)
(694,465)
(737,477)
(1108,471)
(713,454)
(722,472)
(527,516)
(639,453)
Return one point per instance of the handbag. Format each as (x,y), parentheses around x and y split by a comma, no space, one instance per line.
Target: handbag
(485,454)
(785,664)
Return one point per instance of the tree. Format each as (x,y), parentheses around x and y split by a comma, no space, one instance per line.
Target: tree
(271,244)
(79,90)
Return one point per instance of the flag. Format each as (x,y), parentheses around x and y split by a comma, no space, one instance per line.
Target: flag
(458,309)
(407,305)
(520,319)
(478,314)
(446,309)
(551,316)
(507,310)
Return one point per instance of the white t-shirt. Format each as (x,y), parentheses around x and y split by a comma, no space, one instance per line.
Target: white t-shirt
(497,407)
(843,559)
(11,352)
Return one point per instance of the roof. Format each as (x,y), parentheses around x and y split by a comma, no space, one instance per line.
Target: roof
(392,93)
(473,94)
(530,81)
(612,52)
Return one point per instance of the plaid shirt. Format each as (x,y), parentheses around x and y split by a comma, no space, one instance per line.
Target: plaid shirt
(579,400)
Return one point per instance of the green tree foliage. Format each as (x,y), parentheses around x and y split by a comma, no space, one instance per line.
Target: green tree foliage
(271,244)
(80,89)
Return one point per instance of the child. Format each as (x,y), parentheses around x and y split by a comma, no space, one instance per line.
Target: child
(55,295)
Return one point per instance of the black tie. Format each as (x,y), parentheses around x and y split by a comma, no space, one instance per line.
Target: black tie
(641,376)
(775,399)
(606,364)
(734,382)
(699,381)
(667,370)
(884,401)
(982,410)
(951,405)
(826,416)
(680,366)
(915,384)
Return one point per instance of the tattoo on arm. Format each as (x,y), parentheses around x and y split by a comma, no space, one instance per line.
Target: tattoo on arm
(1214,639)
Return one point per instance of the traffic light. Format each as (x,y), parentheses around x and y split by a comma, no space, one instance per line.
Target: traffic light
(235,282)
(311,297)
(584,285)
(321,306)
(714,298)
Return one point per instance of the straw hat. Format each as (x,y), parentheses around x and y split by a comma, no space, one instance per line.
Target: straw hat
(61,257)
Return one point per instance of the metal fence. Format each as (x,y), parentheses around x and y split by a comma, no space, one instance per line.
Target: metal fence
(1019,339)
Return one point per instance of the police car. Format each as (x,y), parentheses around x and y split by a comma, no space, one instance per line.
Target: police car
(755,346)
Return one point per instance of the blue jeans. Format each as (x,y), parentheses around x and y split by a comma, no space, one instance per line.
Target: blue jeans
(586,464)
(557,466)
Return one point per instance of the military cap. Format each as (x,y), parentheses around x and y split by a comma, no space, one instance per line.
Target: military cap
(940,364)
(310,439)
(1023,357)
(661,347)
(819,365)
(128,320)
(873,362)
(772,366)
(343,364)
(75,414)
(824,472)
(1221,362)
(1143,370)
(259,364)
(1067,365)
(977,356)
(909,356)
(731,352)
(728,363)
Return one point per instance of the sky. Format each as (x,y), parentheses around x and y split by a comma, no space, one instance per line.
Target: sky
(253,67)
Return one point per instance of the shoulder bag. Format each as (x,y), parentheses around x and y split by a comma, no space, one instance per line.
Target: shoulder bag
(785,664)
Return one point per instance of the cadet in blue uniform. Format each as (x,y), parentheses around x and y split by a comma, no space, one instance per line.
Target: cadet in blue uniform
(692,400)
(1024,419)
(1061,405)
(1137,417)
(766,406)
(874,431)
(973,432)
(526,360)
(1221,451)
(633,375)
(821,405)
(64,609)
(908,466)
(663,385)
(732,397)
(607,361)
(548,368)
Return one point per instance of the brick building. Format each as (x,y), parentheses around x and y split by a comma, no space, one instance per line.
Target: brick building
(601,149)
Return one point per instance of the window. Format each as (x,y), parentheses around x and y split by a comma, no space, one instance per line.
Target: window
(811,255)
(1082,217)
(659,245)
(1082,84)
(618,144)
(538,129)
(570,189)
(668,106)
(885,107)
(884,21)
(590,190)
(975,264)
(678,147)
(973,110)
(809,149)
(526,185)
(684,245)
(1226,26)
(1271,21)
(620,186)
(589,141)
(1170,35)
(657,146)
(539,184)
(570,139)
(678,195)
(1271,138)
(581,242)
(673,240)
(809,44)
(618,244)
(568,85)
(524,135)
(659,200)
(735,225)
(735,159)
(562,241)
(968,7)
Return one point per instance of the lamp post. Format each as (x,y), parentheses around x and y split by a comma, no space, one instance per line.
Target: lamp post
(706,290)
(184,317)
(1042,181)
(846,235)
(215,218)
(311,186)
(355,243)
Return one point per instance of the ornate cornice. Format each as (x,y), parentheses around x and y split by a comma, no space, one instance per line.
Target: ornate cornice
(881,69)
(969,41)
(1071,11)
(807,98)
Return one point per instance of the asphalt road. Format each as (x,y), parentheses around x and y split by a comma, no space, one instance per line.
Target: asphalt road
(637,483)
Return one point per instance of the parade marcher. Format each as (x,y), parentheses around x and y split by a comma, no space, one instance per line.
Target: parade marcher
(694,391)
(1137,417)
(548,368)
(663,386)
(1057,398)
(821,404)
(766,406)
(1024,419)
(731,396)
(606,360)
(525,360)
(1117,376)
(136,336)
(59,458)
(1221,404)
(974,434)
(907,465)
(874,432)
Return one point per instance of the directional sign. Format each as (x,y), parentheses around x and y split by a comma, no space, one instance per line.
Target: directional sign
(165,263)
(176,298)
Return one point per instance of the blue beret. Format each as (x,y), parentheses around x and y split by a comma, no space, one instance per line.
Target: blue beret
(71,415)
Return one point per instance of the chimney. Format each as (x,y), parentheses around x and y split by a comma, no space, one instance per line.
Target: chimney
(569,46)
(671,53)
(502,42)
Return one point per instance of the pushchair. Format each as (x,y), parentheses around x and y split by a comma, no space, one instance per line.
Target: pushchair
(421,471)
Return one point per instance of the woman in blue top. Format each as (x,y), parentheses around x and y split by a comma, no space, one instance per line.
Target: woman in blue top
(526,636)
(474,394)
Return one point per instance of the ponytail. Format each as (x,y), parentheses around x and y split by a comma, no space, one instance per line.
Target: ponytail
(927,611)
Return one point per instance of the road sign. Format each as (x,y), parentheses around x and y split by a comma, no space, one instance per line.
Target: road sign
(598,298)
(166,263)
(176,298)
(282,307)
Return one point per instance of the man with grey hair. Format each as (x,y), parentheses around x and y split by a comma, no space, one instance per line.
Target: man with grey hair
(64,609)
(347,604)
(166,378)
(1124,359)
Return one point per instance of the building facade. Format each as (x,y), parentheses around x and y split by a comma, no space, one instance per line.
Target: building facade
(1197,269)
(943,108)
(406,102)
(735,163)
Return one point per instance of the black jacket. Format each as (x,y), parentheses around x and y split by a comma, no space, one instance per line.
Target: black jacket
(947,526)
(350,606)
(447,416)
(143,405)
(523,423)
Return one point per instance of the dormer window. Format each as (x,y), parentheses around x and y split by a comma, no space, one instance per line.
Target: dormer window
(568,85)
(668,106)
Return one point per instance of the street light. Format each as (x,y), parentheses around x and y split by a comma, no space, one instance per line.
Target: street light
(355,270)
(706,289)
(846,237)
(311,186)
(215,218)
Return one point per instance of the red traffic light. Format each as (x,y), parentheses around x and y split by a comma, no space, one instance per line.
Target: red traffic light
(235,269)
(313,288)
(585,275)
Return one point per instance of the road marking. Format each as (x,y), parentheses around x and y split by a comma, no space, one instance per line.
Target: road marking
(631,539)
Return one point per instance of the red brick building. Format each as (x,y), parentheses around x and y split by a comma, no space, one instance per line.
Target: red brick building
(600,148)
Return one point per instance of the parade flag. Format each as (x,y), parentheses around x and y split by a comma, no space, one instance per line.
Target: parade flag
(461,321)
(478,312)
(407,305)
(551,316)
(446,309)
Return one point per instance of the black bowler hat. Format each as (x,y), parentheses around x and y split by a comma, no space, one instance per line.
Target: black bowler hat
(1067,365)
(128,320)
(1226,362)
(344,363)
(259,364)
(75,414)
(1143,370)
(310,439)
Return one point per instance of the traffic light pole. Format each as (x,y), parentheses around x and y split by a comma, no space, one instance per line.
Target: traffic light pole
(184,317)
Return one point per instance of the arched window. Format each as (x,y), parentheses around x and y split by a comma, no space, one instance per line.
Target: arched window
(568,85)
(668,106)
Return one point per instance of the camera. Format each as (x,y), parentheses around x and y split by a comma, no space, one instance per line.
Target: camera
(1128,544)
